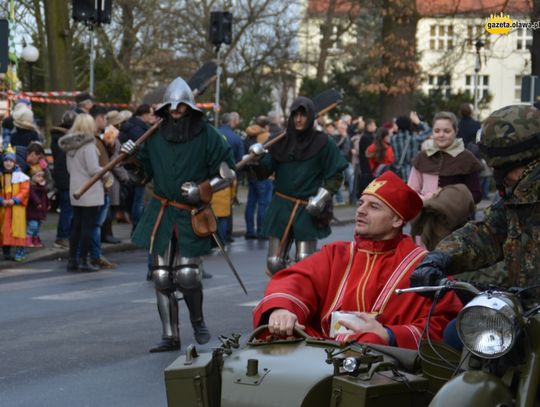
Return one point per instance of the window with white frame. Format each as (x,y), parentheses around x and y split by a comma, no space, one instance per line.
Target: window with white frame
(441,37)
(524,39)
(483,85)
(477,33)
(439,84)
(517,88)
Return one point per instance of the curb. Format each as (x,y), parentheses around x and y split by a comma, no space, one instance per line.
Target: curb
(51,253)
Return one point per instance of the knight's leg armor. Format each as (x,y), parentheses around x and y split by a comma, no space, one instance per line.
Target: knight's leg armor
(305,248)
(187,278)
(166,301)
(274,262)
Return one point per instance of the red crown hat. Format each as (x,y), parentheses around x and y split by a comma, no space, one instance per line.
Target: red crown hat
(402,199)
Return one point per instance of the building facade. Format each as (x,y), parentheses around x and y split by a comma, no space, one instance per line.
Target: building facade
(454,49)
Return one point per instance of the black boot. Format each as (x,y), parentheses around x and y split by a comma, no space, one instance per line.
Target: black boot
(72,265)
(194,300)
(87,267)
(201,332)
(166,345)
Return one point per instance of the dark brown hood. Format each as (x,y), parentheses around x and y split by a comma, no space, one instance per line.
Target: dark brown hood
(300,145)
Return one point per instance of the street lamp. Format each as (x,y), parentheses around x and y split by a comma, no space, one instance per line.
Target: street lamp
(477,66)
(30,54)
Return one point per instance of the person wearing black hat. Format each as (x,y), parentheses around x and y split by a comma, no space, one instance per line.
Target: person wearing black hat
(308,172)
(61,180)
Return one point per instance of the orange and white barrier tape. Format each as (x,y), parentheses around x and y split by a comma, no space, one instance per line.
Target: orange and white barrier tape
(45,97)
(59,93)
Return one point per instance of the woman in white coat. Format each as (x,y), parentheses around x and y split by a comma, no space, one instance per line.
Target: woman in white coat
(82,164)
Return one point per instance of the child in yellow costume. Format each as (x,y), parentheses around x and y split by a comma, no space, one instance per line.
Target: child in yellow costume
(14,191)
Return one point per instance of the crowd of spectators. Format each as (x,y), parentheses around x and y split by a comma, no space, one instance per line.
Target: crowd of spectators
(424,157)
(441,163)
(87,138)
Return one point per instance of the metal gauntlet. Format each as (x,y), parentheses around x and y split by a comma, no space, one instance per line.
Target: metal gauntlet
(317,203)
(202,193)
(129,148)
(257,149)
(225,178)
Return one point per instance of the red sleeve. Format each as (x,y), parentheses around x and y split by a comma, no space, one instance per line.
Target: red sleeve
(298,288)
(409,333)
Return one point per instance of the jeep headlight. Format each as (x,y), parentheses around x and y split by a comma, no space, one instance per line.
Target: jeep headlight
(350,364)
(488,325)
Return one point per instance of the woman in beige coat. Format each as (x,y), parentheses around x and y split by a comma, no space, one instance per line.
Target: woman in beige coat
(82,164)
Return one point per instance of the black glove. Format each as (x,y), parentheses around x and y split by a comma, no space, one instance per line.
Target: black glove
(431,270)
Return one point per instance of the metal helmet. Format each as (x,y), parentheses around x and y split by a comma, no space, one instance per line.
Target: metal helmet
(510,135)
(178,92)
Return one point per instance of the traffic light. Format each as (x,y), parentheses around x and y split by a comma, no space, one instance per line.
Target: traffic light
(220,27)
(92,11)
(85,10)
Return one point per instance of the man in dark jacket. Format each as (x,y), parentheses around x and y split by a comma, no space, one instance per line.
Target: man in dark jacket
(137,124)
(366,139)
(25,130)
(132,130)
(61,180)
(229,122)
(468,127)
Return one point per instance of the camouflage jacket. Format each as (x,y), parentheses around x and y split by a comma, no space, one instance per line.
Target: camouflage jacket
(509,232)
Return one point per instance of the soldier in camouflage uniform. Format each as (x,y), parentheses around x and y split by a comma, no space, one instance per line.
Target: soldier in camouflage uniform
(510,142)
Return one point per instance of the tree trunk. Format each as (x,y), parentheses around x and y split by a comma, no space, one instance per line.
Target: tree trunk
(327,29)
(42,70)
(59,39)
(399,57)
(535,49)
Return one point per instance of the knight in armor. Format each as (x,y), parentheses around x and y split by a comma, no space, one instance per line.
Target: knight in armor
(308,172)
(187,160)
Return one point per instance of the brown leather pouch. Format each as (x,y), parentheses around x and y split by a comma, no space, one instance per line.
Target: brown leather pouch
(203,222)
(205,192)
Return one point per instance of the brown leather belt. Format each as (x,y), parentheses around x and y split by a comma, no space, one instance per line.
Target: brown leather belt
(297,202)
(164,203)
(292,199)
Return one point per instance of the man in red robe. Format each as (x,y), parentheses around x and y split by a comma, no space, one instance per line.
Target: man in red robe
(360,277)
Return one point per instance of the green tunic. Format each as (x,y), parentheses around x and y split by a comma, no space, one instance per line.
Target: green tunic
(300,179)
(170,165)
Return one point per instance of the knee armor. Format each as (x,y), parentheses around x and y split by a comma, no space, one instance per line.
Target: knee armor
(275,262)
(162,279)
(161,272)
(188,273)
